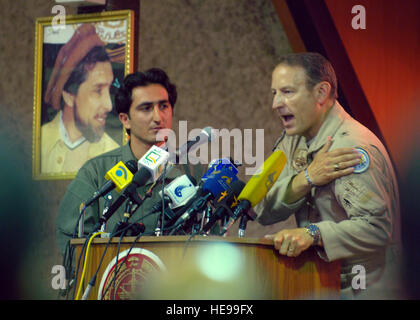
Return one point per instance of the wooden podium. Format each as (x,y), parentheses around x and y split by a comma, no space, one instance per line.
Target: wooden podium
(269,274)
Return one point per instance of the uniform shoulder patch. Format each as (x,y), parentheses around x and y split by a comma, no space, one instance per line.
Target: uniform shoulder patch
(364,162)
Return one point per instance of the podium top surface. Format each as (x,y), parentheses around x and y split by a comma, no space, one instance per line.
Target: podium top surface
(169,239)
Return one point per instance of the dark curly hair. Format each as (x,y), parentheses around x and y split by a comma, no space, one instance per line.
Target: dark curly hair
(123,97)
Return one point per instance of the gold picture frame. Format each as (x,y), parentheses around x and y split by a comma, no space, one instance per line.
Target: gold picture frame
(65,134)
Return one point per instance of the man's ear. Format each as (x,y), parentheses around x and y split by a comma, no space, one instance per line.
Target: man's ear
(322,91)
(125,120)
(68,98)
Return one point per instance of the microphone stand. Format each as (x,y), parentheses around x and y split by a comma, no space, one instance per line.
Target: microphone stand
(206,217)
(108,202)
(250,215)
(242,226)
(158,226)
(122,225)
(162,217)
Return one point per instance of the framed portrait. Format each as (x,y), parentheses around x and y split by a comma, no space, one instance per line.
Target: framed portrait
(79,66)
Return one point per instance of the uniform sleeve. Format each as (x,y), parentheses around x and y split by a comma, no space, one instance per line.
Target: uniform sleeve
(272,209)
(368,199)
(78,191)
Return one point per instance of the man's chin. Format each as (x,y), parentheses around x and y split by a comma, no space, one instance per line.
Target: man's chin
(93,135)
(157,139)
(290,132)
(148,140)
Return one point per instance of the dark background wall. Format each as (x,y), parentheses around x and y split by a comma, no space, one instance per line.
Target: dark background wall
(385,59)
(219,53)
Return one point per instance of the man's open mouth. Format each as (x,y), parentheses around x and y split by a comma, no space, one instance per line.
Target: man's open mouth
(101,119)
(288,118)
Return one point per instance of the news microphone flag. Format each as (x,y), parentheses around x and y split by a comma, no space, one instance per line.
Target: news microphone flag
(213,187)
(154,160)
(181,190)
(217,165)
(262,180)
(120,175)
(258,186)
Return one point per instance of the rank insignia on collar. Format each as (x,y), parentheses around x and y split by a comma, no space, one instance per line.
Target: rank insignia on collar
(364,161)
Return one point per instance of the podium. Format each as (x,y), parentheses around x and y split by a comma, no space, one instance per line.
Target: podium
(252,269)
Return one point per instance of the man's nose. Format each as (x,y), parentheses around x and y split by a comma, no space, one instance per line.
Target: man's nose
(278,101)
(107,102)
(157,114)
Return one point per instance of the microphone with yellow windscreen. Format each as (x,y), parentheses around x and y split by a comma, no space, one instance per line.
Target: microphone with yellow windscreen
(258,186)
(120,175)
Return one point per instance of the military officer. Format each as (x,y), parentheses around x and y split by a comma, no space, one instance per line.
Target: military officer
(338,181)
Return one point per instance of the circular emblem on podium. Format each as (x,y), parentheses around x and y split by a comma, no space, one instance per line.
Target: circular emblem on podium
(138,266)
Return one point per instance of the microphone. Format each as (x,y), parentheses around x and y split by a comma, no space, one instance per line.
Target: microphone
(251,215)
(225,203)
(154,160)
(119,176)
(176,194)
(158,205)
(180,190)
(206,135)
(128,229)
(212,187)
(220,164)
(258,186)
(210,172)
(150,167)
(139,179)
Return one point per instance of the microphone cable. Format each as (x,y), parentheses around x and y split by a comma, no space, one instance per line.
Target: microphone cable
(85,263)
(162,223)
(114,279)
(76,275)
(118,267)
(81,213)
(86,247)
(122,263)
(69,252)
(67,263)
(123,232)
(71,249)
(187,243)
(92,281)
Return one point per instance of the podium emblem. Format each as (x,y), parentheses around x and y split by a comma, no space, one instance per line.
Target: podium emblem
(132,271)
